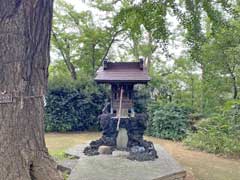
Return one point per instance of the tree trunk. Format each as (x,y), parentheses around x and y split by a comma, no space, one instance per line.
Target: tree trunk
(93,59)
(70,65)
(113,38)
(203,89)
(192,90)
(66,56)
(149,58)
(234,81)
(234,84)
(24,58)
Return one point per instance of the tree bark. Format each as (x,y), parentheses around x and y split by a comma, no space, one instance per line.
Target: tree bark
(25,27)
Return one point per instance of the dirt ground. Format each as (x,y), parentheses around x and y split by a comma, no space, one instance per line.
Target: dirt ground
(199,165)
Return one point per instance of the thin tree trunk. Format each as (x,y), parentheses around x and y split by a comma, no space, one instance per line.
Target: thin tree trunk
(153,48)
(66,58)
(203,89)
(235,89)
(110,45)
(135,49)
(149,58)
(93,59)
(234,81)
(68,62)
(24,58)
(192,90)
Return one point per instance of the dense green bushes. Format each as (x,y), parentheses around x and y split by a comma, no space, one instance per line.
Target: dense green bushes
(73,106)
(219,134)
(168,121)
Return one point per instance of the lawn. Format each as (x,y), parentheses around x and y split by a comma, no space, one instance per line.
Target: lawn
(199,165)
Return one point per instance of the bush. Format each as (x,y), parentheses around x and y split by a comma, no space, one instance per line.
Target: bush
(73,106)
(168,121)
(219,134)
(141,98)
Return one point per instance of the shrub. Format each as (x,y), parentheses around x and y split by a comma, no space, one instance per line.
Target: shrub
(219,134)
(73,106)
(141,98)
(168,121)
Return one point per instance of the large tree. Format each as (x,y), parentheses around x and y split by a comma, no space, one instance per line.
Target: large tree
(25,27)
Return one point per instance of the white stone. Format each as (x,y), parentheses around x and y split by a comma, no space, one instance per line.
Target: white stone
(105,150)
(123,154)
(122,139)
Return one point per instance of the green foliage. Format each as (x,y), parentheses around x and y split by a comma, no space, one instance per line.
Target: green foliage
(141,98)
(73,106)
(168,121)
(149,14)
(77,42)
(219,134)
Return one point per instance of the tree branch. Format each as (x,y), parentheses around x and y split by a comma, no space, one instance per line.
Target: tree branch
(110,44)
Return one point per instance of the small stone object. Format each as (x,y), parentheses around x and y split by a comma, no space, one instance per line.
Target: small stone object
(90,151)
(105,150)
(137,149)
(123,154)
(67,165)
(122,139)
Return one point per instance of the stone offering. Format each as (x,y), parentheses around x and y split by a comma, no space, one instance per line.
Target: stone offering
(105,150)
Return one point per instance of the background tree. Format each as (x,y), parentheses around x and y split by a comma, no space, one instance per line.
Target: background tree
(79,41)
(25,28)
(153,17)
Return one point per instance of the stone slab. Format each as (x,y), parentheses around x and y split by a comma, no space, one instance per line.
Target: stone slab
(107,167)
(67,165)
(76,151)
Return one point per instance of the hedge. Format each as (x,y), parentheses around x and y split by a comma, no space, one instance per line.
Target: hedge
(168,121)
(74,106)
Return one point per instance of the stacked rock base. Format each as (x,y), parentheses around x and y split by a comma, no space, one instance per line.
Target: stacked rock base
(138,148)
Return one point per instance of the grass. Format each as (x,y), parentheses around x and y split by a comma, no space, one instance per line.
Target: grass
(57,143)
(199,165)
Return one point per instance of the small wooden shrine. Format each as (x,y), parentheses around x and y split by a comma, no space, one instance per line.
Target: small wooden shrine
(122,127)
(122,76)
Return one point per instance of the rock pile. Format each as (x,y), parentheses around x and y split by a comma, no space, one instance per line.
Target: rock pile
(138,148)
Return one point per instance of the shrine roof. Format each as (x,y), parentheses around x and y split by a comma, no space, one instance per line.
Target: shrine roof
(133,72)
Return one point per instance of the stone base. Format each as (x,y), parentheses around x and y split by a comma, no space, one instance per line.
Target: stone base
(108,167)
(129,137)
